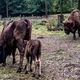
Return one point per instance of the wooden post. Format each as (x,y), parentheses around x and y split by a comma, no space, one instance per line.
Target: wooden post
(0,17)
(60,16)
(60,20)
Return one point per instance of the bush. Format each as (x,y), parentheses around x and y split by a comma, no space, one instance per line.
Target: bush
(1,23)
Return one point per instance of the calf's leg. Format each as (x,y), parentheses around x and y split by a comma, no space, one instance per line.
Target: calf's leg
(27,66)
(34,68)
(74,36)
(39,67)
(30,64)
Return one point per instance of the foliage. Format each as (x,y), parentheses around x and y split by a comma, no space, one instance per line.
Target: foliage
(35,7)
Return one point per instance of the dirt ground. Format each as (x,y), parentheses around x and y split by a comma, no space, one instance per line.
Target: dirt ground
(60,60)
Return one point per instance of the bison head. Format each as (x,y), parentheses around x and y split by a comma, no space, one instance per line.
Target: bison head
(68,26)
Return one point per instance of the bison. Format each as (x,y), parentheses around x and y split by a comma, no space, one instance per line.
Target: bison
(7,45)
(33,56)
(12,37)
(72,24)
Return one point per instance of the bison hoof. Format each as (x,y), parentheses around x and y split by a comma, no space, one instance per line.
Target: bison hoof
(31,70)
(74,38)
(4,64)
(39,75)
(33,75)
(19,70)
(14,62)
(26,72)
(24,68)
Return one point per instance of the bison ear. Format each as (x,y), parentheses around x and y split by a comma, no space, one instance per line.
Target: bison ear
(28,23)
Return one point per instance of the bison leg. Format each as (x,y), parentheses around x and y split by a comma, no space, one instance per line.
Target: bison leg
(30,64)
(34,68)
(4,58)
(4,61)
(20,63)
(27,65)
(79,32)
(20,46)
(39,67)
(74,36)
(13,54)
(27,68)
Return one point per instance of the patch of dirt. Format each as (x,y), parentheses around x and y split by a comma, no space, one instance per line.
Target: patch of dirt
(60,60)
(60,57)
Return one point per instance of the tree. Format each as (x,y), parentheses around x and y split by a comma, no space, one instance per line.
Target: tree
(12,7)
(35,7)
(7,1)
(79,4)
(2,8)
(46,9)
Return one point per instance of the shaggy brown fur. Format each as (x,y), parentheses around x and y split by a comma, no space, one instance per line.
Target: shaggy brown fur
(72,24)
(12,37)
(33,56)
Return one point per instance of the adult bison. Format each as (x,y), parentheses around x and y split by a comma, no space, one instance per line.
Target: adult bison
(12,37)
(72,24)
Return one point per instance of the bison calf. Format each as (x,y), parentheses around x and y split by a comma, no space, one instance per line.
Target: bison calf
(33,56)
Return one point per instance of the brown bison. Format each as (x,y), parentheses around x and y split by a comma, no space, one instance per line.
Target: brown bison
(72,24)
(12,37)
(33,56)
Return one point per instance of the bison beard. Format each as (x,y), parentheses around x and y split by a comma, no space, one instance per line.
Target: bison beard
(72,24)
(12,37)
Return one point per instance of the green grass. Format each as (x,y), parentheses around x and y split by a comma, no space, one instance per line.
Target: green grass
(39,29)
(10,73)
(42,30)
(1,26)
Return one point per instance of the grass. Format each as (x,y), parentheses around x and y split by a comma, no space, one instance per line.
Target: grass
(1,26)
(39,29)
(10,73)
(42,30)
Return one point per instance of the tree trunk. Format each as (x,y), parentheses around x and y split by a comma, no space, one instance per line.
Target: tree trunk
(46,14)
(79,4)
(6,8)
(61,16)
